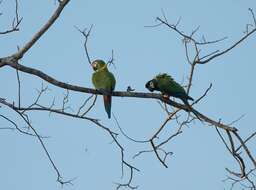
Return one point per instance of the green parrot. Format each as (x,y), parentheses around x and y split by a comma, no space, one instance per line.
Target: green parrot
(104,81)
(166,84)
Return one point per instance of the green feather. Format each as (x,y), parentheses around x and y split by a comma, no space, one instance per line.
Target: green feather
(167,85)
(104,80)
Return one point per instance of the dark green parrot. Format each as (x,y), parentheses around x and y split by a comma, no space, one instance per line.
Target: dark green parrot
(104,81)
(166,84)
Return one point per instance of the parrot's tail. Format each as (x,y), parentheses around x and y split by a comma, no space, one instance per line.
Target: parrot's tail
(185,101)
(107,103)
(189,98)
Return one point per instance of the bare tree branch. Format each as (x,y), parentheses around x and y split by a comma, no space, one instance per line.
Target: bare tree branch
(91,106)
(190,38)
(245,148)
(45,27)
(16,126)
(18,79)
(6,61)
(246,140)
(156,142)
(26,120)
(86,35)
(16,21)
(226,50)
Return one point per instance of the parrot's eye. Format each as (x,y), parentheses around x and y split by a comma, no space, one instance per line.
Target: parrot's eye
(94,66)
(151,84)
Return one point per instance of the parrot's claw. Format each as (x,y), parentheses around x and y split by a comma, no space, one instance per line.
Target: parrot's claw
(165,96)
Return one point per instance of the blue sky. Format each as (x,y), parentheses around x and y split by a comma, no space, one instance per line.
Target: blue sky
(85,152)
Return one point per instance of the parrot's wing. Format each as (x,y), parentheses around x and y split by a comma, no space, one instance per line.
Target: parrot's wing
(104,80)
(112,81)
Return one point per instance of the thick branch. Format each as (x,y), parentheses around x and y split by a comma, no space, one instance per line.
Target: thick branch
(10,62)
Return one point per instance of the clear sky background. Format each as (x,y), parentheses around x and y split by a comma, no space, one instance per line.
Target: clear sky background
(83,151)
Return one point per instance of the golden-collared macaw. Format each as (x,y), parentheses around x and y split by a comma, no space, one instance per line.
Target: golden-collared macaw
(104,81)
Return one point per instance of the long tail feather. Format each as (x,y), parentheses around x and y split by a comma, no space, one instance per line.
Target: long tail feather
(107,103)
(185,101)
(190,98)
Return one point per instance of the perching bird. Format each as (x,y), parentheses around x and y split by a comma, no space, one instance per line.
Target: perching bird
(104,81)
(166,84)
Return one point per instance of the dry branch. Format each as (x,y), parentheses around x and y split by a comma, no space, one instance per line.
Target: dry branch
(45,27)
(10,62)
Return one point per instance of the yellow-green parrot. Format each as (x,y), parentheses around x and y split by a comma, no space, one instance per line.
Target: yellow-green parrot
(104,81)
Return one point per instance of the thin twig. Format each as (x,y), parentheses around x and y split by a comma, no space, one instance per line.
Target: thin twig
(18,79)
(246,140)
(226,50)
(245,148)
(253,16)
(86,36)
(162,161)
(16,126)
(91,106)
(123,133)
(16,21)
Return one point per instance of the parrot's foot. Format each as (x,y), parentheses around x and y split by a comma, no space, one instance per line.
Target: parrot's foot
(166,97)
(104,91)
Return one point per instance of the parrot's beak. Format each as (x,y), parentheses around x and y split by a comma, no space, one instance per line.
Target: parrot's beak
(147,85)
(94,66)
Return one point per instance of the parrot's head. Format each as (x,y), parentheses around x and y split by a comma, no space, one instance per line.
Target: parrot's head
(151,85)
(98,65)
